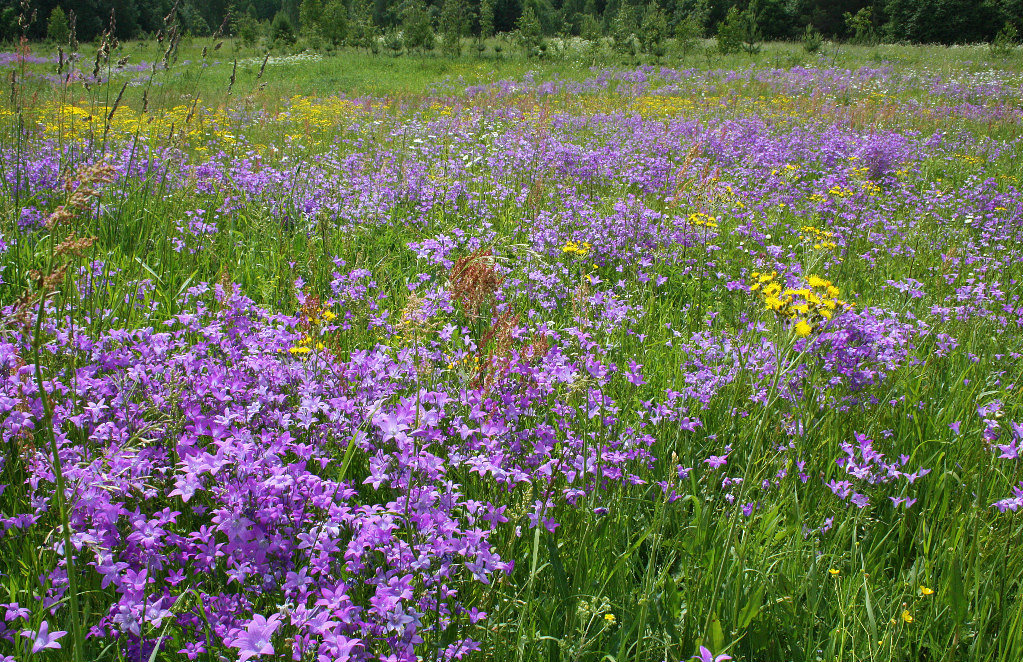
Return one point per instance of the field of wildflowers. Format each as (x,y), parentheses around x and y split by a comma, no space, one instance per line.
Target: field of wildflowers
(637,364)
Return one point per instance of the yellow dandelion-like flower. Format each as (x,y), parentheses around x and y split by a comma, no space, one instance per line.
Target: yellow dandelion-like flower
(835,572)
(803,328)
(906,616)
(610,618)
(926,591)
(817,281)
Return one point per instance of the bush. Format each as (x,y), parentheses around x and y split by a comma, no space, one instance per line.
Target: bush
(861,26)
(1004,41)
(812,40)
(334,22)
(58,30)
(247,28)
(623,31)
(393,42)
(282,31)
(653,30)
(529,34)
(739,32)
(416,27)
(454,24)
(688,33)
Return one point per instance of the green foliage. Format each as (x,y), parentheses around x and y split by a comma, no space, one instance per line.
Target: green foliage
(486,19)
(776,19)
(246,27)
(1005,41)
(529,34)
(739,32)
(812,40)
(454,24)
(192,20)
(310,15)
(417,27)
(943,21)
(361,33)
(653,30)
(688,33)
(8,23)
(282,32)
(58,29)
(334,22)
(393,42)
(861,26)
(623,31)
(590,28)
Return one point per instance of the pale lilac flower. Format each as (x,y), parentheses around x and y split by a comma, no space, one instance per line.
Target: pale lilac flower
(43,638)
(706,656)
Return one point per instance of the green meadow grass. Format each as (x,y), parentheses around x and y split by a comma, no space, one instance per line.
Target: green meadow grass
(650,580)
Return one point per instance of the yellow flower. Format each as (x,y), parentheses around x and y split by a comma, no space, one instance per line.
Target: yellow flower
(906,616)
(803,328)
(817,281)
(835,572)
(610,618)
(925,590)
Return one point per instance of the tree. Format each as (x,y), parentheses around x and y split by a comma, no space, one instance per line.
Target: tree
(191,19)
(530,34)
(861,26)
(688,32)
(417,27)
(653,30)
(282,31)
(360,25)
(454,25)
(590,29)
(730,32)
(812,40)
(310,14)
(334,22)
(623,31)
(942,21)
(58,30)
(486,22)
(1004,41)
(247,28)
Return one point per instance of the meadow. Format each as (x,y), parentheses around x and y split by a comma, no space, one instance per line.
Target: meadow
(355,357)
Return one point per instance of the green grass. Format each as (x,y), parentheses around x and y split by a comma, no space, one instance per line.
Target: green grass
(649,579)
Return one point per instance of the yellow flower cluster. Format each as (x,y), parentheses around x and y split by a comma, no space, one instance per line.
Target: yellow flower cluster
(577,247)
(308,342)
(700,219)
(806,307)
(822,240)
(840,192)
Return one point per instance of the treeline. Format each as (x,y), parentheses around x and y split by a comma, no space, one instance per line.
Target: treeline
(922,21)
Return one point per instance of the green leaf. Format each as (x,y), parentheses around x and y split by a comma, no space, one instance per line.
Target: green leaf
(716,634)
(672,599)
(957,595)
(751,609)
